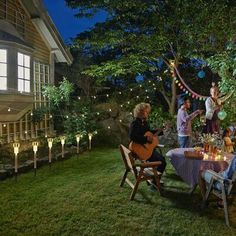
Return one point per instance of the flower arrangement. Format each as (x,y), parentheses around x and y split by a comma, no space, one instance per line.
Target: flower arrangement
(211,140)
(208,138)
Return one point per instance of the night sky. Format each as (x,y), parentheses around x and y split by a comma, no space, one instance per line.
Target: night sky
(68,25)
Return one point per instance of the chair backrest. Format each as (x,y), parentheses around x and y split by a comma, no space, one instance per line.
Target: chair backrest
(128,158)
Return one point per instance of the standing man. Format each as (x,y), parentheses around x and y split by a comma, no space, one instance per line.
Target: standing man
(184,123)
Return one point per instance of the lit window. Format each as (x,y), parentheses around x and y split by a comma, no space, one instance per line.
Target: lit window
(23,62)
(3,69)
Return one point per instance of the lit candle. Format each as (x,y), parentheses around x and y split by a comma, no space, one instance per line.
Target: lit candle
(205,156)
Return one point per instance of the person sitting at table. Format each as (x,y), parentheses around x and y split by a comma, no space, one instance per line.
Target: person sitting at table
(228,145)
(137,131)
(205,176)
(184,123)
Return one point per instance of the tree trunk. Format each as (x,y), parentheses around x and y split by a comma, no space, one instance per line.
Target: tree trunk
(173,98)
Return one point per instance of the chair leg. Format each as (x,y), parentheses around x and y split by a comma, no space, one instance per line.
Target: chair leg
(205,198)
(157,179)
(136,184)
(225,208)
(124,177)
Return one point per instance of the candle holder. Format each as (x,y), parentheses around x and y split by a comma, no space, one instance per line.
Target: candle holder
(78,137)
(50,141)
(62,138)
(35,149)
(16,147)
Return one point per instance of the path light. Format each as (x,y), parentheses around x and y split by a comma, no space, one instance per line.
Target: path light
(90,135)
(35,149)
(62,138)
(78,137)
(16,147)
(50,141)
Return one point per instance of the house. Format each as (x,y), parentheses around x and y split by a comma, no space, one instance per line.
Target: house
(29,47)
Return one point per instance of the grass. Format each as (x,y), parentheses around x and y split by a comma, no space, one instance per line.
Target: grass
(82,197)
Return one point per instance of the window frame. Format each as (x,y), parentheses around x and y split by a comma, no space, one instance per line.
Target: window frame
(24,68)
(1,76)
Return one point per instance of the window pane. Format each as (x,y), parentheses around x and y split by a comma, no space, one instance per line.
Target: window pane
(20,85)
(3,55)
(20,72)
(3,69)
(27,61)
(27,73)
(3,83)
(20,59)
(27,86)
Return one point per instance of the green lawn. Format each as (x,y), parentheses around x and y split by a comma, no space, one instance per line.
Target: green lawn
(82,197)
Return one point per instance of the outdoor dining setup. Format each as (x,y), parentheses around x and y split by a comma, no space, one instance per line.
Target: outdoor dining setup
(194,164)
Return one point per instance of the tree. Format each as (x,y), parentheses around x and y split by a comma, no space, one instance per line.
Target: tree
(139,32)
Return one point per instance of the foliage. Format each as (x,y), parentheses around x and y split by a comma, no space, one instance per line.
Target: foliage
(225,65)
(59,95)
(38,114)
(137,33)
(82,123)
(82,197)
(158,118)
(70,116)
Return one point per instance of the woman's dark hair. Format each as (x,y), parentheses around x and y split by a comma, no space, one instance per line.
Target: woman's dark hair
(225,132)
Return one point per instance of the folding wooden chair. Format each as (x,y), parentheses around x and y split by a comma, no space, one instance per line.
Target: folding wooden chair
(143,171)
(222,188)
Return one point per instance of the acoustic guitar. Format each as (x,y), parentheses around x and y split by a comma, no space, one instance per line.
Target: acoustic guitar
(144,151)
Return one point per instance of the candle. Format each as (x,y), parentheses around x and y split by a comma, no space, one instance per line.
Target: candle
(205,156)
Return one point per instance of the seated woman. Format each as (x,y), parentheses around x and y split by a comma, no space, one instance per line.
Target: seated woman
(139,127)
(228,145)
(205,176)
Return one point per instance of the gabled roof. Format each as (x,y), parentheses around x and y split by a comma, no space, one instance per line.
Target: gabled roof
(48,30)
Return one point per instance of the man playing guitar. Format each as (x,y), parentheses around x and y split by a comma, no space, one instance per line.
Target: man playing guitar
(143,140)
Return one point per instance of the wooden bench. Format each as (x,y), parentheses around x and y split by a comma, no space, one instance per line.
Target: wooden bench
(142,171)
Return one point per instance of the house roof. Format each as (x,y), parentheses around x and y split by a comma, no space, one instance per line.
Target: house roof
(48,30)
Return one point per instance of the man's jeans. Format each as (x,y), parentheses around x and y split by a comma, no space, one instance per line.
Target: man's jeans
(184,141)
